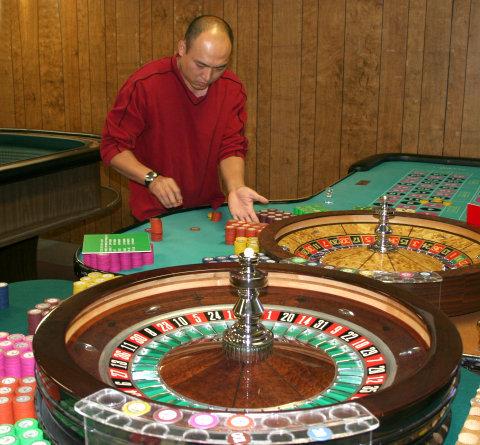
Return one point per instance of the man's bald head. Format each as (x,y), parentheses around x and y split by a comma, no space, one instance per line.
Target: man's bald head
(207,23)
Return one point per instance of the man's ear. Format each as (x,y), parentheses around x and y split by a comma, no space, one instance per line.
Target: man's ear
(182,47)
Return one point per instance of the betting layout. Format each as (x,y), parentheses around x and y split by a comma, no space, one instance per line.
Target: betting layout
(432,192)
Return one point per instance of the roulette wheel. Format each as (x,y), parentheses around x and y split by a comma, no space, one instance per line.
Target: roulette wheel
(143,359)
(436,258)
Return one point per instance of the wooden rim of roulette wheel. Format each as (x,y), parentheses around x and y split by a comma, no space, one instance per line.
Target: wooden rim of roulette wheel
(406,352)
(458,292)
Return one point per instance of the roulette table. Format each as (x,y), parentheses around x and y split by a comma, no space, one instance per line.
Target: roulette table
(47,180)
(365,183)
(350,352)
(448,249)
(427,187)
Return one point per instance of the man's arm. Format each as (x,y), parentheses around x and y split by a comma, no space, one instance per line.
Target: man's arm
(165,189)
(240,198)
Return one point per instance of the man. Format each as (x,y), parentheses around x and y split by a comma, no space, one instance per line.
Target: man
(178,122)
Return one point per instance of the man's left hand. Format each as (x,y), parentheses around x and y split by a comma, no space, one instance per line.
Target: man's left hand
(240,203)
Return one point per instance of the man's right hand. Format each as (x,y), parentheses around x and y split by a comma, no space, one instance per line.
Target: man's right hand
(166,191)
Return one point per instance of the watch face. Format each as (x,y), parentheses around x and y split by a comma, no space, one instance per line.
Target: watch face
(149,177)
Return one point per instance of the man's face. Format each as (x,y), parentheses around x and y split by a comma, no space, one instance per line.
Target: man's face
(205,60)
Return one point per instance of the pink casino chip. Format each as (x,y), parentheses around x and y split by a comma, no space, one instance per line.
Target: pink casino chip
(203,421)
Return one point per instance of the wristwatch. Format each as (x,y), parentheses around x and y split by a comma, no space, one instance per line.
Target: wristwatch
(149,178)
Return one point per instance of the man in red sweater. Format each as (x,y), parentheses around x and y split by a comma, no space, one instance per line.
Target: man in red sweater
(180,121)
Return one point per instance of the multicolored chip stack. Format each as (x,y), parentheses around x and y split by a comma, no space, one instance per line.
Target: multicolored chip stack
(234,258)
(16,356)
(235,229)
(41,310)
(90,280)
(215,216)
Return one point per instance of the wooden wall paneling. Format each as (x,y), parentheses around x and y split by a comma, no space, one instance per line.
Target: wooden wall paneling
(83,33)
(128,51)
(7,97)
(413,75)
(128,60)
(264,96)
(286,72)
(114,178)
(98,87)
(247,62)
(392,76)
(435,76)
(17,65)
(111,71)
(213,7)
(329,92)
(145,29)
(71,78)
(51,65)
(84,66)
(456,77)
(50,58)
(230,14)
(308,76)
(98,81)
(328,82)
(28,19)
(471,109)
(164,43)
(184,12)
(361,82)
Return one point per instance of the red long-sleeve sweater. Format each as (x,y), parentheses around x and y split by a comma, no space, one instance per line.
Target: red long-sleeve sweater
(175,133)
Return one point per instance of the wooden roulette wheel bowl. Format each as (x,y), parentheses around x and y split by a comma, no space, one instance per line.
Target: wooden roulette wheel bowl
(449,249)
(388,352)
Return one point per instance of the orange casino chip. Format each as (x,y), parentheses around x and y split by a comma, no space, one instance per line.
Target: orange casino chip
(23,407)
(6,410)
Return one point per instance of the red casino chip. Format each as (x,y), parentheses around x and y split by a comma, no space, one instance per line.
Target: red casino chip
(238,438)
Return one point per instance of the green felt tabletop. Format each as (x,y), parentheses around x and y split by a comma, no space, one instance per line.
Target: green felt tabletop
(359,190)
(24,295)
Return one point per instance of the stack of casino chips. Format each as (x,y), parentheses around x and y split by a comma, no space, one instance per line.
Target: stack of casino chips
(263,258)
(4,302)
(156,230)
(17,399)
(242,242)
(470,432)
(116,261)
(235,229)
(39,312)
(90,280)
(272,215)
(215,216)
(16,355)
(23,432)
(312,208)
